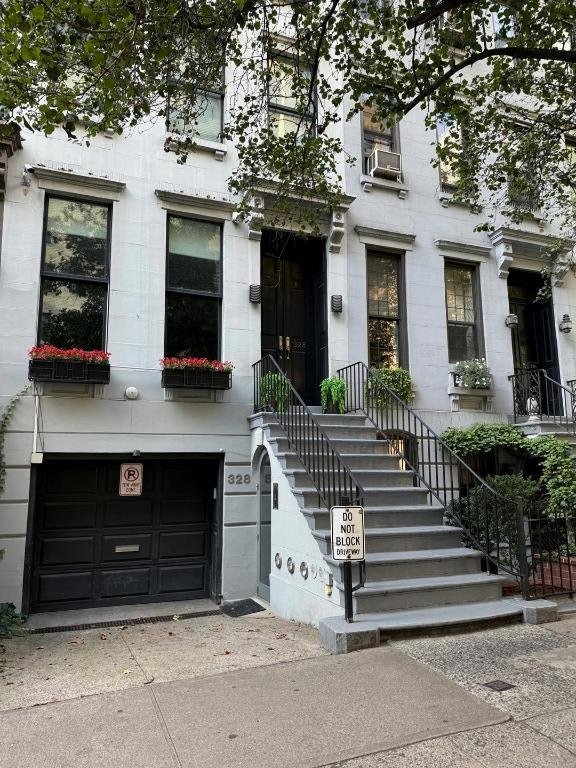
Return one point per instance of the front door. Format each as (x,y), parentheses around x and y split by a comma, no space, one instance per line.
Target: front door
(264,529)
(294,321)
(534,338)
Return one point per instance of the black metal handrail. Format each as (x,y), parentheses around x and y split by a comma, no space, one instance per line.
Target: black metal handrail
(492,523)
(274,393)
(536,394)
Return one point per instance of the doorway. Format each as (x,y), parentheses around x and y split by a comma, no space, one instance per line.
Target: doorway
(264,528)
(294,308)
(534,338)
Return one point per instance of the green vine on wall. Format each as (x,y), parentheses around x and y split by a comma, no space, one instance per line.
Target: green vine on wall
(557,466)
(4,422)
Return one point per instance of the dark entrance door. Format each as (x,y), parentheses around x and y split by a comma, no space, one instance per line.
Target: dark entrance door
(93,547)
(294,318)
(534,339)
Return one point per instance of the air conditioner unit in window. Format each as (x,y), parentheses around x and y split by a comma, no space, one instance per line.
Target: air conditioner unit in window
(384,163)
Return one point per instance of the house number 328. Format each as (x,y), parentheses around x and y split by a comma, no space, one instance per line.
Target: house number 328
(239,479)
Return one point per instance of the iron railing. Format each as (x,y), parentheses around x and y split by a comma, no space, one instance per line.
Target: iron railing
(535,395)
(491,523)
(334,480)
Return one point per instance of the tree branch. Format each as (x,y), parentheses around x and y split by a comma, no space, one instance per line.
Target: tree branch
(438,10)
(513,52)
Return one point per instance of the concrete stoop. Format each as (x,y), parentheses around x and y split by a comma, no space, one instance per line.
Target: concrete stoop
(419,575)
(371,630)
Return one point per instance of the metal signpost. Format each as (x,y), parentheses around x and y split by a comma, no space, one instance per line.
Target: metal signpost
(348,545)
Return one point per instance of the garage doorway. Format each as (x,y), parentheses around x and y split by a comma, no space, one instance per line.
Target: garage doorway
(93,547)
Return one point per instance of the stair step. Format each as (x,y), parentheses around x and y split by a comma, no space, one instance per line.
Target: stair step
(381,497)
(385,517)
(385,566)
(371,479)
(401,539)
(394,623)
(356,461)
(398,594)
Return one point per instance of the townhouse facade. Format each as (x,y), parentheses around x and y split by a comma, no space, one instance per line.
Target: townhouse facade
(117,246)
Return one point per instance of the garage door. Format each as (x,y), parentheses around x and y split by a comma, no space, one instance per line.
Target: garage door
(93,547)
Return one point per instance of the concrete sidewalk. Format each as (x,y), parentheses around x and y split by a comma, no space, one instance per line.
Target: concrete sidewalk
(304,713)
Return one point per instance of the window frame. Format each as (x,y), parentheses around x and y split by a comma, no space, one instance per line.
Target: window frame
(201,92)
(273,107)
(216,296)
(477,325)
(69,276)
(394,136)
(399,258)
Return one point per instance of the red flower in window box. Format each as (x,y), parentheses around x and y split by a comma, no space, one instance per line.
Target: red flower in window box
(196,373)
(50,363)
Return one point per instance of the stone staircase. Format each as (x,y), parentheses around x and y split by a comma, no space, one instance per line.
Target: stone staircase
(418,573)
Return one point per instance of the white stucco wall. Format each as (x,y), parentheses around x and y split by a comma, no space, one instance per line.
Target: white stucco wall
(108,423)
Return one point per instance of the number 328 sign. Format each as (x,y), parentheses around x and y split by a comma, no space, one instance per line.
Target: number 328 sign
(347,533)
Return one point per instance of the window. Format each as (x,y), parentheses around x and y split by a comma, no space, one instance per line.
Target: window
(385,336)
(193,288)
(448,135)
(202,119)
(377,135)
(462,312)
(289,107)
(74,280)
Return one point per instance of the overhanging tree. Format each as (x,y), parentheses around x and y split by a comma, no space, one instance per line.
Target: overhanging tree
(500,77)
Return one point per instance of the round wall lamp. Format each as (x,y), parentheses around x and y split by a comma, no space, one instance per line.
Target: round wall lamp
(278,560)
(565,324)
(290,565)
(304,570)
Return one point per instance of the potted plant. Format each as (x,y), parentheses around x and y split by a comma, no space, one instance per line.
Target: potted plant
(383,382)
(333,395)
(50,363)
(274,392)
(196,373)
(473,374)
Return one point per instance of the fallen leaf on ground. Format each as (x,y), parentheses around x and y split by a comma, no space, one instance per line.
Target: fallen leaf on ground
(103,637)
(226,653)
(40,648)
(281,637)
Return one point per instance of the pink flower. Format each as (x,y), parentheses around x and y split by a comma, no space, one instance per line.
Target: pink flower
(196,363)
(50,352)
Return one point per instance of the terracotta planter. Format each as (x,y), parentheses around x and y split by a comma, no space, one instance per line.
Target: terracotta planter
(195,378)
(72,371)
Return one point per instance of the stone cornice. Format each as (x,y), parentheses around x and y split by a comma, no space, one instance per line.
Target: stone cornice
(508,243)
(60,179)
(466,248)
(384,236)
(217,202)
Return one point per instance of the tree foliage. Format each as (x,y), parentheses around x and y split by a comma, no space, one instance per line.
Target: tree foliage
(499,78)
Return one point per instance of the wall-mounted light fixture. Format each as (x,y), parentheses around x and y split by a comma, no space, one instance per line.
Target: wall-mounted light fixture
(255,294)
(565,324)
(336,304)
(511,321)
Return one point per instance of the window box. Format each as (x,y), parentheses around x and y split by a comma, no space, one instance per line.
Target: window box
(468,399)
(195,378)
(69,370)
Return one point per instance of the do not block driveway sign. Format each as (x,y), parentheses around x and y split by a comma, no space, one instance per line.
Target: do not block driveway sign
(347,533)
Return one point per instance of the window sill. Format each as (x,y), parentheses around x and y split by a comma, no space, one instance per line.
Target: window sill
(446,199)
(200,145)
(369,183)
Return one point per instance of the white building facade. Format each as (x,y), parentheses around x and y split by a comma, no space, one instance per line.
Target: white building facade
(161,266)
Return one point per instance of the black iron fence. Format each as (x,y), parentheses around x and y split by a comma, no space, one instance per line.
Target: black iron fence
(491,523)
(332,477)
(535,395)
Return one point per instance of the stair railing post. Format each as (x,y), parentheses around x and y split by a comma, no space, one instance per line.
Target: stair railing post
(524,567)
(347,584)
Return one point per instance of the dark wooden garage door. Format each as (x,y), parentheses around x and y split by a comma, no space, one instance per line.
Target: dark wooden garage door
(94,547)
